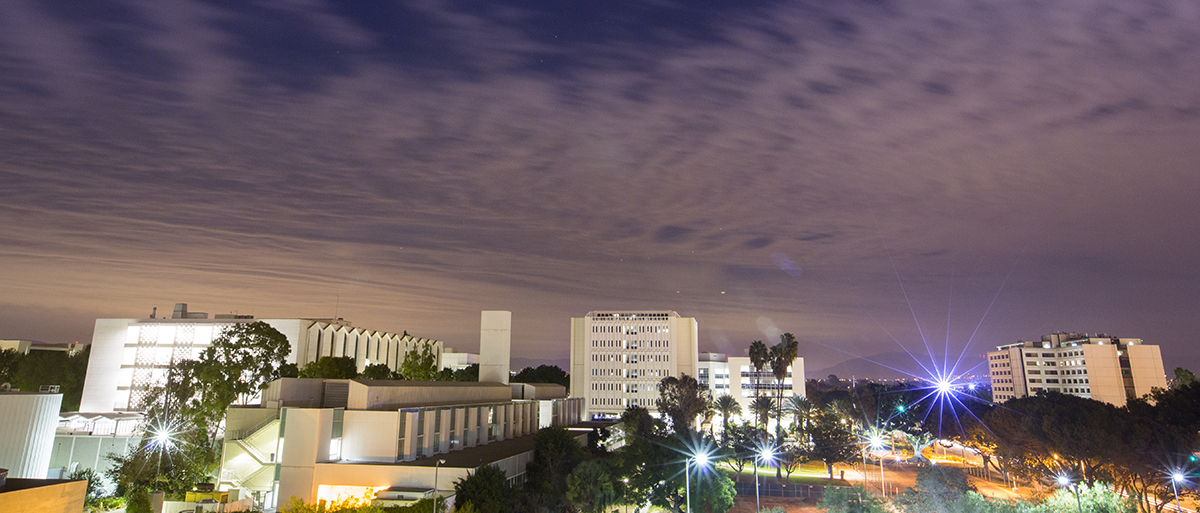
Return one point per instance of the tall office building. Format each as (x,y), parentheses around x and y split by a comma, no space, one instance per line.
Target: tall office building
(618,358)
(1100,367)
(131,356)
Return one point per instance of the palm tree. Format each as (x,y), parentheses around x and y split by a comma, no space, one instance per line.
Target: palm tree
(761,408)
(798,407)
(758,358)
(728,406)
(782,356)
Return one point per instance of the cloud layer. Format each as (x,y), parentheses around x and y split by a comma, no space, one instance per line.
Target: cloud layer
(409,164)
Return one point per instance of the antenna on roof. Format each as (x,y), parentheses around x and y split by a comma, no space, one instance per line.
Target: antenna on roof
(336,304)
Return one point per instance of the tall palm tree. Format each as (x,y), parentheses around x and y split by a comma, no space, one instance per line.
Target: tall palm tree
(758,358)
(761,408)
(728,406)
(782,356)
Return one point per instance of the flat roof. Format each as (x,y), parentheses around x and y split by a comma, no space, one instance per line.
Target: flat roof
(469,458)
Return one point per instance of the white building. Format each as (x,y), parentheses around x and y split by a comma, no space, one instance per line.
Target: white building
(1109,369)
(736,376)
(27,423)
(25,346)
(130,356)
(618,358)
(344,436)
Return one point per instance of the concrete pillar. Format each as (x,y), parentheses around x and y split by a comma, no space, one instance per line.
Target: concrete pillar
(495,344)
(472,423)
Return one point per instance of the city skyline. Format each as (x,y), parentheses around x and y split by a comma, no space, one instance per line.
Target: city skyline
(871,177)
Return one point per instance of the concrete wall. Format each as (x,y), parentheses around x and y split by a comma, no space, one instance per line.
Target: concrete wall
(1104,373)
(495,346)
(27,424)
(370,435)
(1146,366)
(367,396)
(74,452)
(50,497)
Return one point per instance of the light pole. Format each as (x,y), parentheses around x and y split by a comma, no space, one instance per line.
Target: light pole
(766,454)
(1065,481)
(701,460)
(877,444)
(436,465)
(1176,478)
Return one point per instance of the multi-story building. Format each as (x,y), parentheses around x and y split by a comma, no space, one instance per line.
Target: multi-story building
(27,346)
(736,376)
(131,356)
(1100,367)
(618,357)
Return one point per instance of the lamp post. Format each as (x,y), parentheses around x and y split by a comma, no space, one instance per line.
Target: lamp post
(766,454)
(1065,481)
(877,444)
(1176,478)
(701,460)
(436,465)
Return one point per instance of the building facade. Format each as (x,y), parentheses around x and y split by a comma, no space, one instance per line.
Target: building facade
(131,356)
(618,358)
(737,377)
(322,439)
(1095,366)
(27,424)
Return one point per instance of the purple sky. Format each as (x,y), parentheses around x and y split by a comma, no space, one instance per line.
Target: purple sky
(760,166)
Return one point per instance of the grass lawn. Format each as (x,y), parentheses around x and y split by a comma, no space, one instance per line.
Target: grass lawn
(813,474)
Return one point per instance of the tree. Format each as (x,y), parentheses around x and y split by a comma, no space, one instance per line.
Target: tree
(485,490)
(782,356)
(237,365)
(331,367)
(556,452)
(761,408)
(851,499)
(791,457)
(375,371)
(420,364)
(543,374)
(728,407)
(592,487)
(1183,377)
(832,442)
(740,448)
(682,399)
(10,362)
(758,358)
(799,408)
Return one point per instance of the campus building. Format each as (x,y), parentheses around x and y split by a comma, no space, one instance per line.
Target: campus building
(1095,366)
(737,377)
(326,439)
(618,358)
(131,356)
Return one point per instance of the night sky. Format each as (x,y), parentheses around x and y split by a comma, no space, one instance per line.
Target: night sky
(861,174)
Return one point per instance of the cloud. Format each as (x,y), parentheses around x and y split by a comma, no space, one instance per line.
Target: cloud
(435,157)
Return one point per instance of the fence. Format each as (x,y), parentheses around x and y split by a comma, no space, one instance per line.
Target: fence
(780,490)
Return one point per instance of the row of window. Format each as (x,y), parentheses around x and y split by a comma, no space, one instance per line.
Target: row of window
(631,358)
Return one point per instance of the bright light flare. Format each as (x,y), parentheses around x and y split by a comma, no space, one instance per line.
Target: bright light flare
(1178,477)
(1064,480)
(944,386)
(876,441)
(701,459)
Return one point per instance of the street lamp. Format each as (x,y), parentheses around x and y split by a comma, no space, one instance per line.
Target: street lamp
(1176,478)
(766,454)
(1066,481)
(877,444)
(436,465)
(701,460)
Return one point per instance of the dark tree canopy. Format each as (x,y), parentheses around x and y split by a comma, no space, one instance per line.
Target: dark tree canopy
(682,399)
(332,367)
(485,489)
(543,374)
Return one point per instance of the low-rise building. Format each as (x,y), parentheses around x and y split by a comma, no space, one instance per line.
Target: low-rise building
(129,357)
(1109,369)
(737,377)
(320,439)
